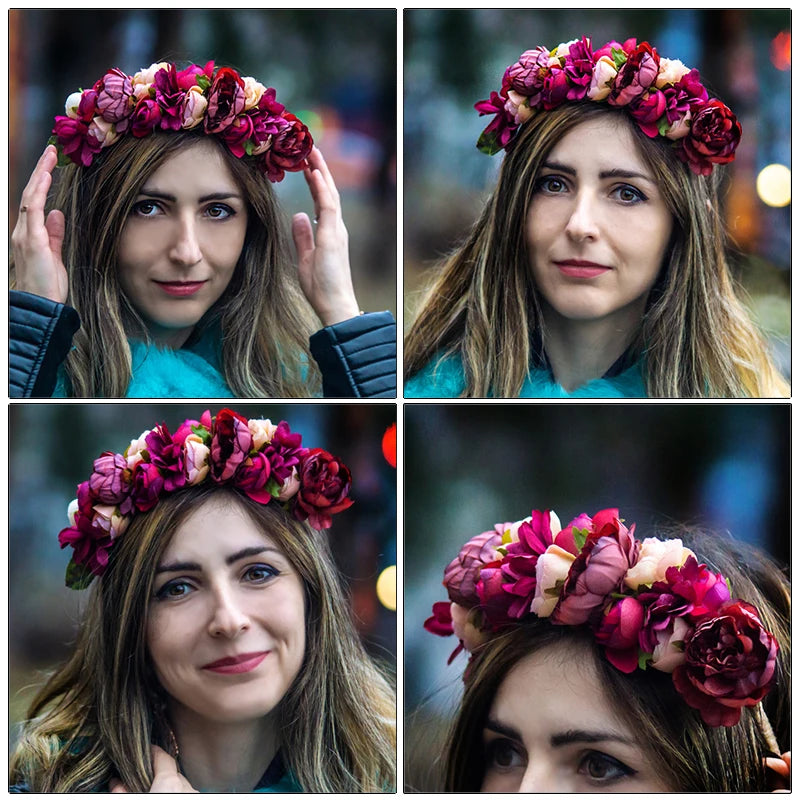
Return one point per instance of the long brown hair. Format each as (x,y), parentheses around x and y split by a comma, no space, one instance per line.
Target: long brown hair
(97,715)
(264,319)
(696,338)
(687,755)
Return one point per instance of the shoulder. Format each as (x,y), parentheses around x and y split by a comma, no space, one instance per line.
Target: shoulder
(442,376)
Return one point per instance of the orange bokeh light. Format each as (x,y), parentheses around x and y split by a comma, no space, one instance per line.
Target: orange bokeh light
(781,50)
(389,444)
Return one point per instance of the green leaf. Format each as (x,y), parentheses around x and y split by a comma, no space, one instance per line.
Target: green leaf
(203,433)
(487,143)
(579,536)
(619,57)
(644,659)
(663,126)
(248,147)
(273,487)
(79,576)
(203,82)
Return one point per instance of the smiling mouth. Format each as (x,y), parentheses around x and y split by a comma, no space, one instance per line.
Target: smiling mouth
(574,268)
(180,288)
(235,665)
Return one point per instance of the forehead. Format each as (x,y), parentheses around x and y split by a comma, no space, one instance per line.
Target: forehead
(199,166)
(599,144)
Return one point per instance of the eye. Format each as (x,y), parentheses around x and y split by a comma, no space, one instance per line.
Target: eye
(146,208)
(174,590)
(501,753)
(219,211)
(259,573)
(628,194)
(602,768)
(551,184)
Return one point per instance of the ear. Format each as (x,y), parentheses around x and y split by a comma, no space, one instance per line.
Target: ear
(779,772)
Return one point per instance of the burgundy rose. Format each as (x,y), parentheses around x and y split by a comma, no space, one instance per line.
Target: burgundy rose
(167,455)
(252,477)
(730,663)
(226,100)
(713,138)
(324,485)
(169,97)
(291,146)
(269,105)
(495,601)
(186,78)
(115,99)
(146,486)
(441,622)
(230,444)
(619,632)
(555,89)
(578,67)
(110,481)
(648,110)
(635,76)
(145,118)
(74,140)
(285,452)
(237,134)
(463,572)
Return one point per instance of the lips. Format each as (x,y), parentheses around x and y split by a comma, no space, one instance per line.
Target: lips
(234,665)
(180,288)
(577,268)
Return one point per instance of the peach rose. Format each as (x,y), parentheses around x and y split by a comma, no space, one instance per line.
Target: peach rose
(670,70)
(604,73)
(262,431)
(252,92)
(109,519)
(133,453)
(465,629)
(195,464)
(194,107)
(655,558)
(289,487)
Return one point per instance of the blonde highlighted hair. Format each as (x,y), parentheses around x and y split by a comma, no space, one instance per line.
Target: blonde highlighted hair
(98,714)
(696,338)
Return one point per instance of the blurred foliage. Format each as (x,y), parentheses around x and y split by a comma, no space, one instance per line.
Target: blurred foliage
(725,468)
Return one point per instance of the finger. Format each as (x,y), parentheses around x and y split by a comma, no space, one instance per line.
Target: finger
(777,765)
(55,230)
(117,787)
(317,162)
(163,762)
(44,166)
(303,236)
(326,205)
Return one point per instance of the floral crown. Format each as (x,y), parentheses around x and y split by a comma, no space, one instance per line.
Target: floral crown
(217,102)
(649,604)
(267,462)
(665,97)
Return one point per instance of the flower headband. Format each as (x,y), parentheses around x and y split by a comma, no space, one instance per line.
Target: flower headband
(665,97)
(648,603)
(265,461)
(241,111)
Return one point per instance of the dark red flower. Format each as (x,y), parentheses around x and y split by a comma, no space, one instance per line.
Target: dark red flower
(324,485)
(441,623)
(230,444)
(146,486)
(169,97)
(290,148)
(252,477)
(237,134)
(167,455)
(648,110)
(145,118)
(713,138)
(74,140)
(226,100)
(730,663)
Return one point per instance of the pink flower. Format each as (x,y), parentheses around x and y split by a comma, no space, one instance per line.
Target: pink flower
(619,633)
(500,131)
(289,487)
(168,456)
(555,89)
(169,97)
(648,110)
(704,591)
(285,452)
(237,134)
(603,77)
(670,651)
(635,76)
(225,100)
(713,138)
(195,461)
(464,626)
(598,571)
(230,444)
(463,573)
(579,68)
(189,77)
(252,477)
(147,485)
(324,485)
(115,98)
(110,520)
(146,117)
(730,663)
(194,108)
(74,140)
(526,74)
(290,148)
(441,623)
(110,481)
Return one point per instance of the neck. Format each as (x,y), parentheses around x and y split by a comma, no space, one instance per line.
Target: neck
(224,756)
(580,351)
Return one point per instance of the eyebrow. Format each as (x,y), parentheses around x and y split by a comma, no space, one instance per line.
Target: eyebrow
(192,566)
(145,192)
(571,736)
(608,173)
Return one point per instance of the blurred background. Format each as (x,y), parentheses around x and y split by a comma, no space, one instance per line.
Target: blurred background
(336,70)
(725,468)
(52,449)
(453,59)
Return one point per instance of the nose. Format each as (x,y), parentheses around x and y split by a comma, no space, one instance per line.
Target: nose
(583,221)
(228,617)
(185,249)
(540,776)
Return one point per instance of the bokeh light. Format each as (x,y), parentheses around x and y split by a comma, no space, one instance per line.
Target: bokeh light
(781,51)
(774,185)
(387,588)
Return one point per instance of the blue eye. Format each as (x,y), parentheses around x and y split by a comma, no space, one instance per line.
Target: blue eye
(259,573)
(602,768)
(174,590)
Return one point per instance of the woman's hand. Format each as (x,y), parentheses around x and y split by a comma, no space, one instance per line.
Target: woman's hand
(36,241)
(779,772)
(166,777)
(323,262)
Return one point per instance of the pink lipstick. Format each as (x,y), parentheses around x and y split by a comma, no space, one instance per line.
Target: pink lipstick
(235,665)
(181,288)
(574,268)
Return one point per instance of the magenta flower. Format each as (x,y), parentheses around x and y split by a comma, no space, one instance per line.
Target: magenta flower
(252,477)
(169,97)
(285,452)
(730,663)
(237,134)
(230,444)
(463,572)
(555,89)
(145,118)
(527,73)
(619,633)
(115,99)
(90,544)
(147,485)
(500,131)
(441,623)
(167,455)
(225,100)
(495,601)
(324,485)
(648,110)
(74,140)
(186,78)
(578,67)
(703,590)
(635,76)
(110,481)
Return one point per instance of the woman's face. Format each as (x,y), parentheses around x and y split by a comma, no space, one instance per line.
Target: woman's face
(182,241)
(226,625)
(551,729)
(598,227)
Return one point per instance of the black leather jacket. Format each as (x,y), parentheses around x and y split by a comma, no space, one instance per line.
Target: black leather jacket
(357,357)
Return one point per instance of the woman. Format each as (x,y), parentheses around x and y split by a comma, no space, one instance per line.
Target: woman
(162,270)
(216,652)
(604,663)
(597,267)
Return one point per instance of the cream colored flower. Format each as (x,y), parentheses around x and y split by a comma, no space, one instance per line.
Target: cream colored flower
(262,431)
(72,509)
(552,567)
(603,74)
(194,107)
(71,105)
(103,131)
(655,558)
(670,70)
(252,92)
